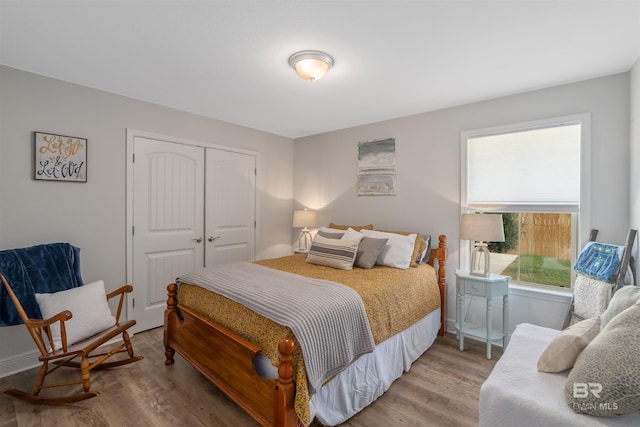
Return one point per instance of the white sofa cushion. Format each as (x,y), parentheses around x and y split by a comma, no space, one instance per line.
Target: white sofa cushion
(564,349)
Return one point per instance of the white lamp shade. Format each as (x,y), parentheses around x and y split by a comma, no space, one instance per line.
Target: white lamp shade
(482,227)
(305,218)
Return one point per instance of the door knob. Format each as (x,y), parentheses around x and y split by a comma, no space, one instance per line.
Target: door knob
(211,238)
(197,240)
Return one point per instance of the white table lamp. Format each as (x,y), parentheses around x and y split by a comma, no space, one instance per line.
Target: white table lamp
(481,228)
(304,219)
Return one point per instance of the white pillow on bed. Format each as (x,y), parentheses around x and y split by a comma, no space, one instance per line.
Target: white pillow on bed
(334,253)
(397,252)
(331,233)
(90,309)
(369,248)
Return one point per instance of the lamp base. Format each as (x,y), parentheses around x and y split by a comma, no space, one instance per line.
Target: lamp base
(480,248)
(304,240)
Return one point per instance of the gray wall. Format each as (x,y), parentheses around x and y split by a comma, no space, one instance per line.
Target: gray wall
(428,158)
(92,215)
(316,172)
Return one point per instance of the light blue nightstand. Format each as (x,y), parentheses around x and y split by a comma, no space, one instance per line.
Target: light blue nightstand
(489,287)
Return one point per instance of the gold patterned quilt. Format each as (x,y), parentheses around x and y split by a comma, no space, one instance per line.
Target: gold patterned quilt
(394,300)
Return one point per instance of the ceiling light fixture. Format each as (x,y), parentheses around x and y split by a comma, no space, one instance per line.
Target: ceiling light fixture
(311,65)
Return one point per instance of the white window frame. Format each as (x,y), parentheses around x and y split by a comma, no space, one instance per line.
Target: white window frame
(584,209)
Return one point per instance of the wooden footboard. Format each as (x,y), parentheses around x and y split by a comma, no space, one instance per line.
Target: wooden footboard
(227,360)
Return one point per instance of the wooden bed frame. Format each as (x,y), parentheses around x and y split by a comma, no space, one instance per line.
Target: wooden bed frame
(231,365)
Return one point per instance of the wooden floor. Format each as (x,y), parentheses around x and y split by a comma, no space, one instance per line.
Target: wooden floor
(441,389)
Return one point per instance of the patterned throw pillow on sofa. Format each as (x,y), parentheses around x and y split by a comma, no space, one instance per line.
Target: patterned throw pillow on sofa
(605,380)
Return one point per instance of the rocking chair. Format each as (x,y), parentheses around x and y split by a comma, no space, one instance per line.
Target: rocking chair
(65,353)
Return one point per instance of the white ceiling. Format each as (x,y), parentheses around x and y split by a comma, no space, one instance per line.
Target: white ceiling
(228,59)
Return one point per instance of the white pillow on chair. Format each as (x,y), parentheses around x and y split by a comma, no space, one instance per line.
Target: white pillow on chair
(90,309)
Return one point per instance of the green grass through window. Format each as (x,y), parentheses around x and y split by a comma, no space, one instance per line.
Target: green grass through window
(541,270)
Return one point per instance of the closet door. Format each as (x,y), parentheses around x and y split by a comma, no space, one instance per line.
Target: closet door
(168,223)
(230,208)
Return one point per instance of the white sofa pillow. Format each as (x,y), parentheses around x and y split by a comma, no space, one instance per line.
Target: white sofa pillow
(90,309)
(397,252)
(564,348)
(624,298)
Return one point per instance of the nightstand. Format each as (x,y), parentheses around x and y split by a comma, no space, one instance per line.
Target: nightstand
(488,288)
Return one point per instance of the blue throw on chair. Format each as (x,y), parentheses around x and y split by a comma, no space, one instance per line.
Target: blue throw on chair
(44,268)
(599,260)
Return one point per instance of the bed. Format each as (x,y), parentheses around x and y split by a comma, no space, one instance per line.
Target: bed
(216,343)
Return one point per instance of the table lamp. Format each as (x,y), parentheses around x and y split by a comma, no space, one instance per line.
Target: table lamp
(304,219)
(482,228)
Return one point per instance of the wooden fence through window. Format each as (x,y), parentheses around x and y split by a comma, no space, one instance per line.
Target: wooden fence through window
(546,234)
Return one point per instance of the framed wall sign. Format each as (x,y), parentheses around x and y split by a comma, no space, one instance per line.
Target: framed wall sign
(60,158)
(377,168)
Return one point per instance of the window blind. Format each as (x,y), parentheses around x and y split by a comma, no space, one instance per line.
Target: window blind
(530,170)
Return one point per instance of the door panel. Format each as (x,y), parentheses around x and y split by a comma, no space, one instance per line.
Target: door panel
(230,207)
(168,205)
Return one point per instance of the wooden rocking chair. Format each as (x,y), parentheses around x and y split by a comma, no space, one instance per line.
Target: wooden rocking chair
(39,329)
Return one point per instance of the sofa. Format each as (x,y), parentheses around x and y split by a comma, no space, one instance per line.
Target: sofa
(585,375)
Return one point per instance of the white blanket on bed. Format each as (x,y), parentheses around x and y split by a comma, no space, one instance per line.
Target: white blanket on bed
(516,394)
(327,318)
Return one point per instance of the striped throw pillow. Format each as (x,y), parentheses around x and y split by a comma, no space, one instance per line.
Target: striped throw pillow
(333,253)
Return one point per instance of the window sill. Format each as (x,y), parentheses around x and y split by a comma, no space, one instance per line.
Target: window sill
(559,295)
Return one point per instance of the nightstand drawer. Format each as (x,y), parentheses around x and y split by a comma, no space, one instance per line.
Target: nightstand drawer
(477,288)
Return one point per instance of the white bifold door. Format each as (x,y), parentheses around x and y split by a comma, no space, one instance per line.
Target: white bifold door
(193,207)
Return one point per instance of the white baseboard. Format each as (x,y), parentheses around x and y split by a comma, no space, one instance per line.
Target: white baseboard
(18,363)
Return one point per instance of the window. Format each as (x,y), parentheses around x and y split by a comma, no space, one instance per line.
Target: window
(531,174)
